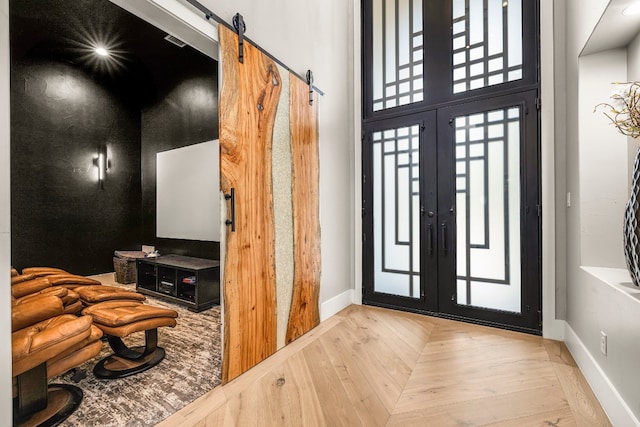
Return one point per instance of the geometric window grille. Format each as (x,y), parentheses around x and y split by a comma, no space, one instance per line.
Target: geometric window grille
(397,53)
(487,157)
(487,43)
(396,211)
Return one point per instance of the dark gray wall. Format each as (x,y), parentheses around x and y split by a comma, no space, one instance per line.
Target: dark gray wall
(59,214)
(65,102)
(185,113)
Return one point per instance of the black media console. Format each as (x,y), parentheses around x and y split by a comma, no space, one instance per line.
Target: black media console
(194,282)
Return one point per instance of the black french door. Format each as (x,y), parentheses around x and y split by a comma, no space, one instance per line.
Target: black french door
(400,200)
(451,197)
(451,212)
(489,188)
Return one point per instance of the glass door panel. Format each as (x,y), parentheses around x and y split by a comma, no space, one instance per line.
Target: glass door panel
(396,211)
(398,64)
(487,186)
(487,38)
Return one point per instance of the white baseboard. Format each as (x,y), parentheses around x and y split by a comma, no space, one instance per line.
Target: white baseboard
(335,304)
(616,408)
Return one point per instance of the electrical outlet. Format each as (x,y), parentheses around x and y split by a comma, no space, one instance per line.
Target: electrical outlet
(603,343)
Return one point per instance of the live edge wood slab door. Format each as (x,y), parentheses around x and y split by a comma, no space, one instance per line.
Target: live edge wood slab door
(269,158)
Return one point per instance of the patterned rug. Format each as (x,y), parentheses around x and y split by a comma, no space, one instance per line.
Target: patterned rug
(191,368)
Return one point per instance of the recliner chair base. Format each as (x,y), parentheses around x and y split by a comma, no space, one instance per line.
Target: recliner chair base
(127,361)
(62,400)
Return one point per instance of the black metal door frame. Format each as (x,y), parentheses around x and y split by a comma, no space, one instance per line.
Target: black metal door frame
(438,223)
(528,320)
(434,112)
(427,299)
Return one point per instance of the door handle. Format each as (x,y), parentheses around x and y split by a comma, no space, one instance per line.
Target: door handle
(430,239)
(231,196)
(444,237)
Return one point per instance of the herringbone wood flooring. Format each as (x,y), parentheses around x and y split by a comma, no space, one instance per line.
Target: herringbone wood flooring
(375,367)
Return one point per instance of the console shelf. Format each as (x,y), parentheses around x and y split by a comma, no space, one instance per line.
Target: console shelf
(194,282)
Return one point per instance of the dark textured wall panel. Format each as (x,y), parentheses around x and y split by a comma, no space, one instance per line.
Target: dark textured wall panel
(185,113)
(60,217)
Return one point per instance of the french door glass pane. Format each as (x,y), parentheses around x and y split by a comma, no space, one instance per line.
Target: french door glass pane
(487,43)
(487,153)
(397,53)
(396,211)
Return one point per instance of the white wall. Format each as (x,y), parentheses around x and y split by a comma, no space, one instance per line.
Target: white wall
(603,188)
(317,35)
(596,299)
(5,310)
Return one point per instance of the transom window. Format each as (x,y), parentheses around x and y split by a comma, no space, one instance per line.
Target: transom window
(423,53)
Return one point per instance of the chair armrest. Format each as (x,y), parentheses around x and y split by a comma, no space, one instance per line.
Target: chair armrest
(37,310)
(58,291)
(71,280)
(43,271)
(22,278)
(29,287)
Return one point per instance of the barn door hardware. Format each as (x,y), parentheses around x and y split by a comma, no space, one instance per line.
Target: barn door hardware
(240,26)
(310,83)
(232,221)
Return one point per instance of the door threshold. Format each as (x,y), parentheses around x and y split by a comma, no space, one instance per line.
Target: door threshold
(457,318)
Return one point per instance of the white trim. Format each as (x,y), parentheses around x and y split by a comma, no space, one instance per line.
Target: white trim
(5,217)
(357,157)
(177,19)
(615,407)
(551,327)
(190,18)
(334,305)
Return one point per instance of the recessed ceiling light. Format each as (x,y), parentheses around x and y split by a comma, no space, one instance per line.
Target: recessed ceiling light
(634,9)
(102,51)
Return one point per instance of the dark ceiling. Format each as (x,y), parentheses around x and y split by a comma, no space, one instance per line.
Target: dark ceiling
(68,30)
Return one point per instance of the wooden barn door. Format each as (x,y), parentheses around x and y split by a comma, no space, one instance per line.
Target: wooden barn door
(269,173)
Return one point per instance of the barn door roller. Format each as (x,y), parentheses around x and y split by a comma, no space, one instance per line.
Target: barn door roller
(310,83)
(240,26)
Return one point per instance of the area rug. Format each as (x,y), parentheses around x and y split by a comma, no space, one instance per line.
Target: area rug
(191,368)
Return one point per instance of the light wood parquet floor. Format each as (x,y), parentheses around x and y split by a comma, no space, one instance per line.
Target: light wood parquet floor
(374,367)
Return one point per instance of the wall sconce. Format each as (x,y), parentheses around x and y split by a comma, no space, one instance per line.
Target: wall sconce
(103,164)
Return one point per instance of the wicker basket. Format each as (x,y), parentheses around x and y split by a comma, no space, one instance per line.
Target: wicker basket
(124,264)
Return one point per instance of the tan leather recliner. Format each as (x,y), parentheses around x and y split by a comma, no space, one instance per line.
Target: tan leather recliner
(46,342)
